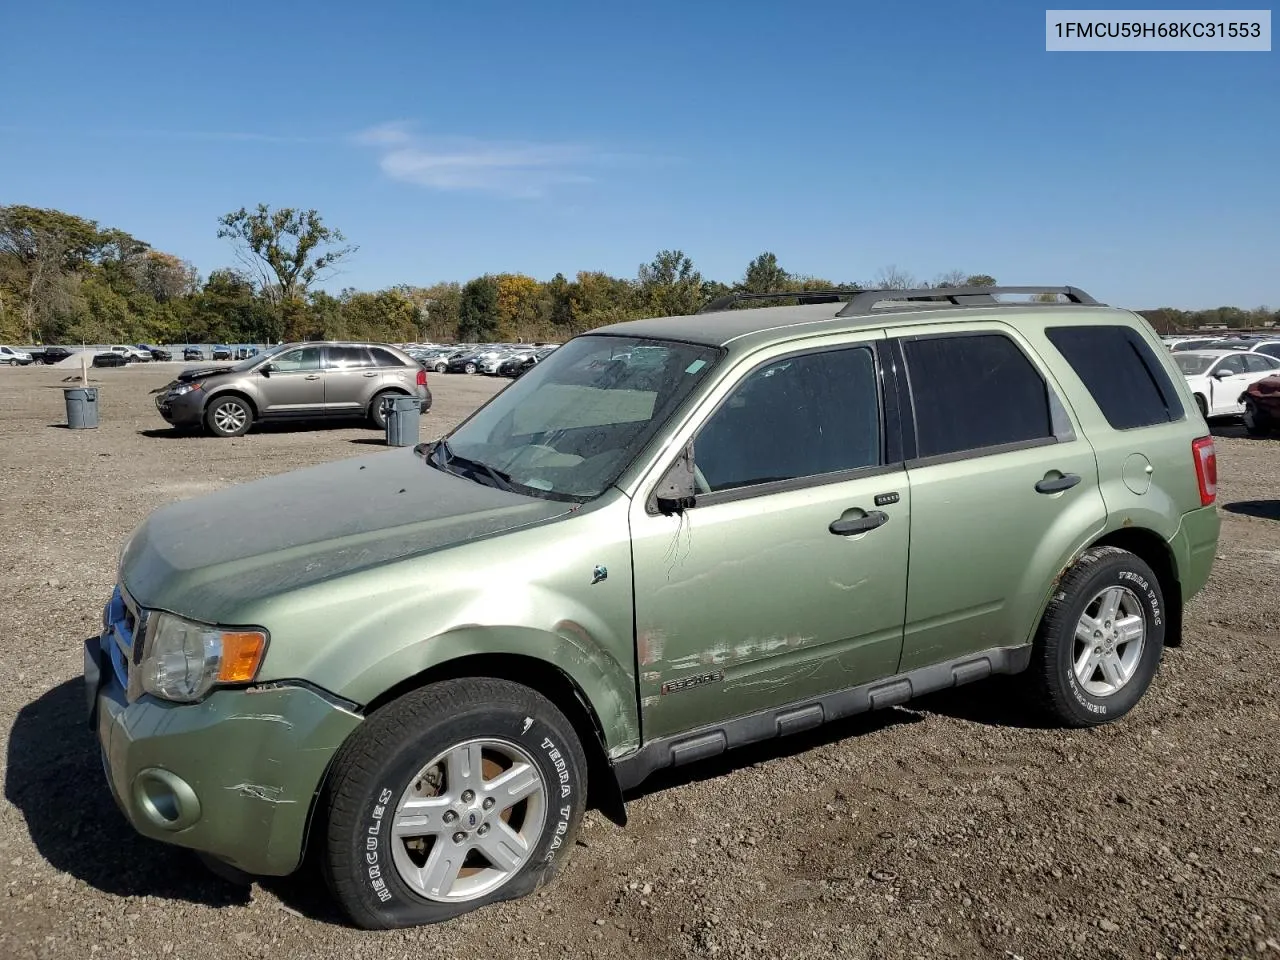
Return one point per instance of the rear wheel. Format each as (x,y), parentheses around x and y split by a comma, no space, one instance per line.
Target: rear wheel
(441,367)
(470,368)
(228,417)
(1257,423)
(1101,639)
(460,794)
(380,408)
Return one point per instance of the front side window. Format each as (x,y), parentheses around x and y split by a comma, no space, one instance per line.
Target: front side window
(1230,365)
(1193,364)
(798,417)
(303,358)
(973,391)
(571,425)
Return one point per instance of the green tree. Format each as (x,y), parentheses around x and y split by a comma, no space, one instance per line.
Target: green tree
(669,285)
(764,275)
(289,248)
(478,310)
(980,280)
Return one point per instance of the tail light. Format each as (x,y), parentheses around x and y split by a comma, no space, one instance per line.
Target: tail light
(422,377)
(1206,459)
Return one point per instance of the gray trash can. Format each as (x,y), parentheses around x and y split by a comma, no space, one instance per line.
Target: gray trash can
(403,421)
(82,407)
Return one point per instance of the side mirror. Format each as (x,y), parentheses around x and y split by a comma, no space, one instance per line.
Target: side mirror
(677,490)
(265,369)
(1221,374)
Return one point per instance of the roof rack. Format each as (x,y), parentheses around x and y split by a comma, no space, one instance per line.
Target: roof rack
(804,296)
(863,303)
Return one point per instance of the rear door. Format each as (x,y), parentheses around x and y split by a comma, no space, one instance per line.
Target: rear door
(350,379)
(1004,487)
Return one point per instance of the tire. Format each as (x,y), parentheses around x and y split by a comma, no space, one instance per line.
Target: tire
(1256,423)
(441,367)
(228,416)
(1058,656)
(1203,406)
(470,368)
(397,757)
(378,408)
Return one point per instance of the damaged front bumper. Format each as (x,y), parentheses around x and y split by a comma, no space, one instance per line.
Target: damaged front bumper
(233,776)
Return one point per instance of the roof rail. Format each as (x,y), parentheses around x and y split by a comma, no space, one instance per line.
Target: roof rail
(804,296)
(863,304)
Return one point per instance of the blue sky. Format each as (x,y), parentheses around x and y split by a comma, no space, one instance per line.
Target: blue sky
(452,139)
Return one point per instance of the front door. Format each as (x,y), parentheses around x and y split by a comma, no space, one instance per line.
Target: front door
(294,387)
(1227,381)
(787,578)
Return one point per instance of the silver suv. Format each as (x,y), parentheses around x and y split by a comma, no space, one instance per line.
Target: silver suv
(295,381)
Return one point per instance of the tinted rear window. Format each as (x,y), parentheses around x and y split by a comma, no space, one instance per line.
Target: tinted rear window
(1127,381)
(385,358)
(974,391)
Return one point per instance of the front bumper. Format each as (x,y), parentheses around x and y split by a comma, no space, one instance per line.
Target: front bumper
(186,410)
(233,776)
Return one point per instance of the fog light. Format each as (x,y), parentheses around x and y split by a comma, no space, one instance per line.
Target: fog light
(165,800)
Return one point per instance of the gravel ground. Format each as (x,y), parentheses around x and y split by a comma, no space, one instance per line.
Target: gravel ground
(955,828)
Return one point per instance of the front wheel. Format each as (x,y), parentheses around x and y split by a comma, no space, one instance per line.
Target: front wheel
(228,417)
(470,368)
(459,794)
(1101,639)
(441,367)
(1256,423)
(1203,406)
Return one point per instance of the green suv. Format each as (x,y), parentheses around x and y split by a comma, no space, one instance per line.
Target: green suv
(669,538)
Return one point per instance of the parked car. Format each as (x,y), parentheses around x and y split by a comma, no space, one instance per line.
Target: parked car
(221,352)
(470,362)
(519,365)
(14,357)
(192,353)
(1265,345)
(1261,403)
(155,353)
(131,354)
(1217,378)
(294,381)
(1195,343)
(51,355)
(110,358)
(408,662)
(439,360)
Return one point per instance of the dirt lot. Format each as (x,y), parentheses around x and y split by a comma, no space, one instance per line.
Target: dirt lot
(955,828)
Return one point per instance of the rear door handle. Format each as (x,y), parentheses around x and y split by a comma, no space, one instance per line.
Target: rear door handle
(1057,484)
(371,373)
(847,528)
(312,376)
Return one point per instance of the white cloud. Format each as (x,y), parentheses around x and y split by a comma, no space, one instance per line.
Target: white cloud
(507,168)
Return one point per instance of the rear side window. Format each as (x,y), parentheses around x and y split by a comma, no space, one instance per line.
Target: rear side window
(974,391)
(385,358)
(1270,349)
(1256,363)
(347,358)
(1125,378)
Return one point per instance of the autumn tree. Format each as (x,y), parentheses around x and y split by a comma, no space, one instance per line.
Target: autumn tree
(521,304)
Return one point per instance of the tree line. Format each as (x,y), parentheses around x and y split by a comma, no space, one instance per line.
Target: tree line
(66,279)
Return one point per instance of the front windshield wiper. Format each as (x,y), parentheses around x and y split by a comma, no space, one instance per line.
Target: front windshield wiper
(445,458)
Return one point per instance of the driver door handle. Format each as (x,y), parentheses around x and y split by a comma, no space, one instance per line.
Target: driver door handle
(847,528)
(1057,484)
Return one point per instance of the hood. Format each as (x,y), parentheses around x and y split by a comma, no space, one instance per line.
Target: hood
(200,373)
(207,557)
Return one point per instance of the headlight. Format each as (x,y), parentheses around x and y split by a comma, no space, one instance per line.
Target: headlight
(183,388)
(185,660)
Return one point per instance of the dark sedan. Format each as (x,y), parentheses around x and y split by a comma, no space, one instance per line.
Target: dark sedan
(1262,406)
(192,353)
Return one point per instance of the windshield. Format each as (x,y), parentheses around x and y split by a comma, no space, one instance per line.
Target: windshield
(572,424)
(1191,365)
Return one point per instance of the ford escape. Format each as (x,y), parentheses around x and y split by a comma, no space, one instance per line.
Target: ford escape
(669,538)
